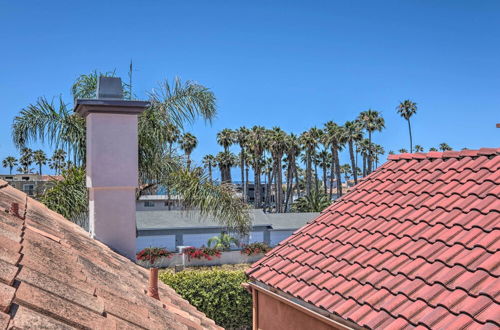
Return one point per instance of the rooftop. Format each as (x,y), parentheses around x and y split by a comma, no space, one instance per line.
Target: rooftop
(52,275)
(416,243)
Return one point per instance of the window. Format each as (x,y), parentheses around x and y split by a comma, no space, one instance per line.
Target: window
(26,178)
(29,189)
(149,204)
(9,178)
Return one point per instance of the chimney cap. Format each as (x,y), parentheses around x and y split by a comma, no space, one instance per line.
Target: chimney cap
(109,100)
(109,88)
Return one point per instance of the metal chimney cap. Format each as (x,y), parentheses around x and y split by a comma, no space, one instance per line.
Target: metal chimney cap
(109,88)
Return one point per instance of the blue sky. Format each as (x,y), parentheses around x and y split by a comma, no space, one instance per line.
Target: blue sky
(293,64)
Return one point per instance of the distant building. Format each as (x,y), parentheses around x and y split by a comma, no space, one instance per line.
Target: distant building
(170,229)
(32,185)
(158,203)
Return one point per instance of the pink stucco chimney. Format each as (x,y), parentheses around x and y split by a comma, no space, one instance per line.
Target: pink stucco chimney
(112,164)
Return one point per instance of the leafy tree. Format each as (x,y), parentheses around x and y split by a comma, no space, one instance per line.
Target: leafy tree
(9,162)
(222,242)
(57,161)
(188,143)
(418,148)
(314,202)
(371,120)
(209,162)
(171,105)
(40,159)
(26,159)
(407,109)
(444,147)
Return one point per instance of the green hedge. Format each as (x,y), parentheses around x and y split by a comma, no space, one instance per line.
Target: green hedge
(217,293)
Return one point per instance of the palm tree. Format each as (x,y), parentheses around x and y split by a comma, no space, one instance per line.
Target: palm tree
(402,151)
(433,149)
(444,147)
(292,152)
(371,120)
(407,109)
(309,141)
(347,171)
(391,152)
(209,162)
(378,151)
(172,135)
(9,162)
(257,143)
(334,138)
(57,161)
(171,103)
(315,202)
(26,159)
(325,163)
(226,160)
(226,138)
(277,146)
(40,159)
(188,143)
(241,137)
(222,242)
(352,134)
(418,148)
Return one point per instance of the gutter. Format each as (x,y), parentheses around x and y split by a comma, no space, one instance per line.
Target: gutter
(306,308)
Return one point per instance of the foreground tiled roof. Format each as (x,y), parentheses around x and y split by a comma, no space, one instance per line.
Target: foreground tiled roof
(52,275)
(416,243)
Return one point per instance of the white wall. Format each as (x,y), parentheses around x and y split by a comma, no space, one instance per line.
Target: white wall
(164,241)
(256,236)
(197,240)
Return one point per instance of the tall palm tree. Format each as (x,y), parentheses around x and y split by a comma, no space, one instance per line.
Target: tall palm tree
(226,138)
(188,143)
(257,144)
(40,159)
(334,138)
(9,162)
(352,134)
(364,149)
(292,152)
(378,151)
(57,160)
(241,137)
(175,103)
(277,146)
(444,147)
(325,163)
(407,109)
(172,135)
(418,148)
(226,160)
(371,120)
(347,171)
(209,162)
(26,159)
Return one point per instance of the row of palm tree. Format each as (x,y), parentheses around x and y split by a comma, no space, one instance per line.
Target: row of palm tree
(418,148)
(276,156)
(28,157)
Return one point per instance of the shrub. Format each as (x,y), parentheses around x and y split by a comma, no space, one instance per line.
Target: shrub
(255,248)
(217,293)
(201,253)
(152,254)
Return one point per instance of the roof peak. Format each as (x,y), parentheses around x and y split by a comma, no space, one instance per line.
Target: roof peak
(446,154)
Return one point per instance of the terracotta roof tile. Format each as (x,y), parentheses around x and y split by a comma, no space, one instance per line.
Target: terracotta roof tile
(414,244)
(52,275)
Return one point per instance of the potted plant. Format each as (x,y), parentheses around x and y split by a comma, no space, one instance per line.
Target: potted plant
(151,258)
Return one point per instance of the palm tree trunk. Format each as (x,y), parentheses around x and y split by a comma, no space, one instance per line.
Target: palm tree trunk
(337,173)
(332,175)
(188,161)
(10,169)
(353,162)
(40,168)
(364,165)
(324,178)
(370,159)
(246,183)
(411,141)
(242,166)
(297,181)
(308,174)
(316,181)
(289,186)
(256,186)
(210,173)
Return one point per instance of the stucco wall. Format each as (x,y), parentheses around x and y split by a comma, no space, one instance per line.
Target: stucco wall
(273,314)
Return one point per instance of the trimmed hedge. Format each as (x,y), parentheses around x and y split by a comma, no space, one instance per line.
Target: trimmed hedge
(217,293)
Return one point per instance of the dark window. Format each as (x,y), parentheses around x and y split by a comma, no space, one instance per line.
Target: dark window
(149,204)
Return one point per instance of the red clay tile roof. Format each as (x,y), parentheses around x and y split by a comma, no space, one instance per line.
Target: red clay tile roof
(52,275)
(416,243)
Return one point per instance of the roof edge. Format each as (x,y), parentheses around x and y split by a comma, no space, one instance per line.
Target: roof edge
(446,154)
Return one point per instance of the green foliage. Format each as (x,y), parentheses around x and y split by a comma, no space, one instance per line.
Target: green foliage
(255,248)
(217,293)
(68,196)
(222,242)
(314,202)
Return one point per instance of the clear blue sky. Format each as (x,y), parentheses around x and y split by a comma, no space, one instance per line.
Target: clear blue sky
(293,64)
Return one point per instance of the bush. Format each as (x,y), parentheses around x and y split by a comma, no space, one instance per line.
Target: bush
(217,293)
(201,253)
(255,248)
